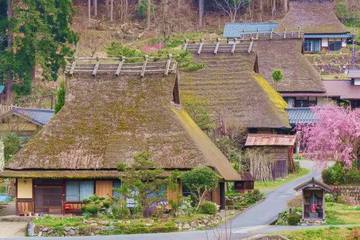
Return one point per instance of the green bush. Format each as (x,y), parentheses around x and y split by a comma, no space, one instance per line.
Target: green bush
(247,199)
(95,205)
(339,175)
(294,219)
(12,144)
(208,208)
(117,49)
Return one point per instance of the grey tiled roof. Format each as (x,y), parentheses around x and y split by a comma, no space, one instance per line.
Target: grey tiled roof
(36,115)
(301,115)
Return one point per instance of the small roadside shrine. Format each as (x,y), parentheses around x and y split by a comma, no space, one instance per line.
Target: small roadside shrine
(313,193)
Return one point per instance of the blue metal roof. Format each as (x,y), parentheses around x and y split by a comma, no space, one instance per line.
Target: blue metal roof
(37,115)
(301,115)
(233,30)
(332,35)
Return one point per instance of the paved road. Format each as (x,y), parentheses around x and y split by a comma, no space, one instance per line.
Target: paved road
(253,221)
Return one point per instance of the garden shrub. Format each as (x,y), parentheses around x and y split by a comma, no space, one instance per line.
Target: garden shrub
(339,175)
(247,199)
(95,205)
(208,208)
(185,207)
(117,49)
(294,219)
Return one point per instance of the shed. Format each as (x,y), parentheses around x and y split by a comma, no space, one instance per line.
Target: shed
(313,193)
(24,121)
(278,150)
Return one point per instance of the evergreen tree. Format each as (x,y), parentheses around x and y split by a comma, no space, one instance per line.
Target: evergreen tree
(41,35)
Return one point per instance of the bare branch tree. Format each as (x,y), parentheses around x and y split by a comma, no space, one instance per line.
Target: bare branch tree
(231,7)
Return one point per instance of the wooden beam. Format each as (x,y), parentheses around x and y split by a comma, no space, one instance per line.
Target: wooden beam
(144,66)
(233,47)
(200,47)
(121,63)
(285,33)
(271,34)
(96,67)
(167,67)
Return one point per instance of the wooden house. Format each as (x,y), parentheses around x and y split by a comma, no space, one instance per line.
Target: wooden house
(76,155)
(313,193)
(344,91)
(279,151)
(24,122)
(317,19)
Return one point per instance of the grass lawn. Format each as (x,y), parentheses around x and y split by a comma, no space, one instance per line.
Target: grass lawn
(337,213)
(332,233)
(266,186)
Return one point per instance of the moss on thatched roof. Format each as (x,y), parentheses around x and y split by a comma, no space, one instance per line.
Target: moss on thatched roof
(107,120)
(230,87)
(312,16)
(299,74)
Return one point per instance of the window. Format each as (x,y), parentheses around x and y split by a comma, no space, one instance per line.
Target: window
(312,45)
(77,191)
(305,101)
(335,45)
(116,188)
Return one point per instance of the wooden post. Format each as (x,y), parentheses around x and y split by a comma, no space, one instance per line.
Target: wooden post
(233,48)
(186,44)
(144,66)
(285,33)
(271,34)
(250,46)
(72,69)
(121,63)
(299,32)
(96,67)
(200,47)
(217,46)
(167,67)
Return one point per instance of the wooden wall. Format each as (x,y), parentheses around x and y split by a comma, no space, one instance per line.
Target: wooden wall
(104,188)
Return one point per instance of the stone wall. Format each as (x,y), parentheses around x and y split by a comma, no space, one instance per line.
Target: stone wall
(350,194)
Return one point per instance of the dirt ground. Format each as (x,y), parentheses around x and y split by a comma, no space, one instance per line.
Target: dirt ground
(10,228)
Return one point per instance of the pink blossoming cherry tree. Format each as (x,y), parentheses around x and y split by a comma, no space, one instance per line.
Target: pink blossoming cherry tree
(335,135)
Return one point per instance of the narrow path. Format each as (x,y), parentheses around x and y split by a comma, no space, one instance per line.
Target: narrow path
(275,202)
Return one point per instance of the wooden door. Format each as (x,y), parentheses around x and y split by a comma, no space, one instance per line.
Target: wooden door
(48,199)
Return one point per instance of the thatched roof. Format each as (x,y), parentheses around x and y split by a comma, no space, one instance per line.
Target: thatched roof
(233,92)
(299,74)
(313,184)
(107,120)
(312,16)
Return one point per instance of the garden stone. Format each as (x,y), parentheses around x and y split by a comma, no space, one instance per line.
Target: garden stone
(72,232)
(45,229)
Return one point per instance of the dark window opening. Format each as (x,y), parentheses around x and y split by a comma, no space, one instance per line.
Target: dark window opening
(312,45)
(335,45)
(305,101)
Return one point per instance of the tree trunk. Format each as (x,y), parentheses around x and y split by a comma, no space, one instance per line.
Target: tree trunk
(286,6)
(273,10)
(201,12)
(148,15)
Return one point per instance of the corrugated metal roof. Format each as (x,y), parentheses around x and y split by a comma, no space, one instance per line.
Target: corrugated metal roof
(270,140)
(341,35)
(233,30)
(36,115)
(301,115)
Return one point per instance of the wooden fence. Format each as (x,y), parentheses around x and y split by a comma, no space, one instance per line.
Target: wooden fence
(351,194)
(122,66)
(219,47)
